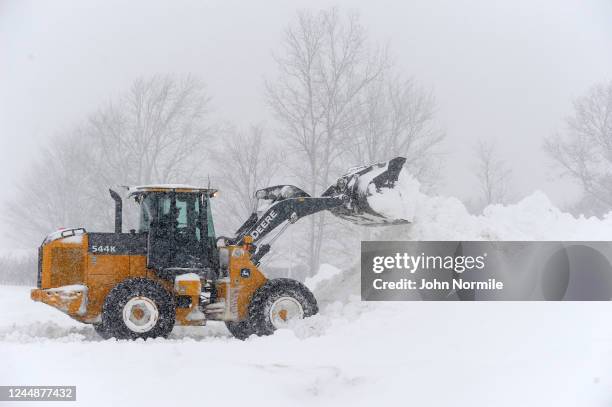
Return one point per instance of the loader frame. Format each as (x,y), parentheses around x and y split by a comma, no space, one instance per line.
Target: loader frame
(176,257)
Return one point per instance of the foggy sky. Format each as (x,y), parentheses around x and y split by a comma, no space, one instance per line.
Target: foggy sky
(502,70)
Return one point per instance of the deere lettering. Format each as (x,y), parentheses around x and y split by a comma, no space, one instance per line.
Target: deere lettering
(263,225)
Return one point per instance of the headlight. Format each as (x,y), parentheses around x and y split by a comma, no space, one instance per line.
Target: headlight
(261,194)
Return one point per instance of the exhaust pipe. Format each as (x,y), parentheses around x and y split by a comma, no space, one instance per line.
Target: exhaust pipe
(118,210)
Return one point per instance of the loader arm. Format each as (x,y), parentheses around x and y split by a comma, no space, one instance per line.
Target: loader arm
(347,199)
(282,211)
(288,209)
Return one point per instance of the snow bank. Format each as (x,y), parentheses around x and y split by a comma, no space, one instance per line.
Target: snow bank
(532,218)
(446,218)
(358,354)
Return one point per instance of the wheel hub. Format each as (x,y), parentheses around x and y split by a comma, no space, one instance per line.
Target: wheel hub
(284,310)
(140,314)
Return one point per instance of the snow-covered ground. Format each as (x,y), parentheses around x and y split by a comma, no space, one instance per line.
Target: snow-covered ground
(353,353)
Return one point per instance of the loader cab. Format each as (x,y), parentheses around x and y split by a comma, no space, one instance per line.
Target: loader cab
(179,227)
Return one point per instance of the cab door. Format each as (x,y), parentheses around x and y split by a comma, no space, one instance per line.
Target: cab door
(158,217)
(179,234)
(188,235)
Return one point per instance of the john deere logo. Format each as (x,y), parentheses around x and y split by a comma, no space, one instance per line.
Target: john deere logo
(264,224)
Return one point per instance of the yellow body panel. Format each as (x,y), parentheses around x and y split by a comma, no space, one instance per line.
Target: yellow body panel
(73,303)
(191,289)
(66,257)
(237,289)
(67,262)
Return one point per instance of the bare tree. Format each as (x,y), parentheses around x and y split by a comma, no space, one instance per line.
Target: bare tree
(339,103)
(492,173)
(154,133)
(584,151)
(245,162)
(325,65)
(397,117)
(48,195)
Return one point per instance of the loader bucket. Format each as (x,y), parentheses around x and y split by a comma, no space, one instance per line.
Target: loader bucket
(364,186)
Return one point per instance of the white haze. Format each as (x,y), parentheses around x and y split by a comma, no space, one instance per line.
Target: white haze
(507,71)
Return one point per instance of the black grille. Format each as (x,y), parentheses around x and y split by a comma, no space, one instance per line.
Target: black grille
(39,274)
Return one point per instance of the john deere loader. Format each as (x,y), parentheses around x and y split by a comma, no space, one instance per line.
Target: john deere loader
(175,270)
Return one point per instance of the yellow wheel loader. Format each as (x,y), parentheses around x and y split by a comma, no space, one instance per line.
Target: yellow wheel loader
(175,270)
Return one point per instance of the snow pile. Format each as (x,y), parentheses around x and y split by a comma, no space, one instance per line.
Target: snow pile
(533,218)
(446,218)
(398,202)
(326,271)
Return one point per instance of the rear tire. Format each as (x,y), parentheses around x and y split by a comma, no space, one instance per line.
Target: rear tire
(100,330)
(278,302)
(138,308)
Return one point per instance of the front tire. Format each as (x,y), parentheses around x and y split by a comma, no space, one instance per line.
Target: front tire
(138,308)
(278,302)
